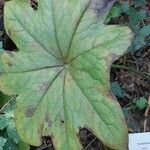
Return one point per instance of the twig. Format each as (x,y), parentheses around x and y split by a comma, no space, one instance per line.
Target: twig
(132,70)
(7,104)
(148,108)
(43,147)
(89,144)
(146,114)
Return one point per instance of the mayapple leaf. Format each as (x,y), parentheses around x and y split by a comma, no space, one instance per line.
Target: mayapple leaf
(62,69)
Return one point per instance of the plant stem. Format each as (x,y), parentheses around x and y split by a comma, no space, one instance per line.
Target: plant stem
(132,70)
(90,144)
(7,103)
(43,147)
(146,114)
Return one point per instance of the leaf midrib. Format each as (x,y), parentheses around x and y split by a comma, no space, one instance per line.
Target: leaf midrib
(38,42)
(55,30)
(76,27)
(33,70)
(93,107)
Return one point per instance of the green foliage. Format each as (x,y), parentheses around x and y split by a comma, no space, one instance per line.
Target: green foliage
(136,21)
(140,39)
(7,122)
(114,12)
(141,103)
(1,43)
(8,133)
(2,143)
(10,145)
(139,3)
(124,8)
(3,99)
(132,123)
(117,90)
(61,72)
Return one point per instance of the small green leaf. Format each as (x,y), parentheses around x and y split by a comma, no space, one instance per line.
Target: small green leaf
(124,7)
(145,31)
(117,90)
(114,12)
(1,43)
(139,3)
(140,37)
(4,121)
(1,46)
(135,16)
(141,103)
(12,133)
(2,143)
(10,145)
(7,121)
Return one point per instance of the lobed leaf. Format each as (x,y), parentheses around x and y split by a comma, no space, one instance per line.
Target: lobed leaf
(62,69)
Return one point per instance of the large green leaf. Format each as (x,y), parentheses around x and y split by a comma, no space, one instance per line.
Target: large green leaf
(61,72)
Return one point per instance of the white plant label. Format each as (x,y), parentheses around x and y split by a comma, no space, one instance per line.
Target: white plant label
(139,141)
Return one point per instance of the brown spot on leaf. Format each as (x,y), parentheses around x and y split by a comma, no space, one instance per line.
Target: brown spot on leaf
(43,86)
(48,120)
(30,111)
